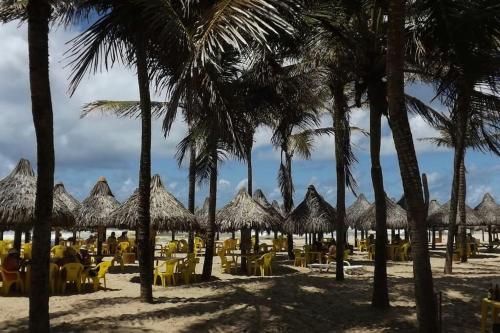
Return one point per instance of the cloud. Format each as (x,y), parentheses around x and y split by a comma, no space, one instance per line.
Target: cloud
(224,184)
(242,183)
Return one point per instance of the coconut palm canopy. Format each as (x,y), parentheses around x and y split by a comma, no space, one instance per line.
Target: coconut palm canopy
(244,212)
(259,196)
(167,213)
(17,201)
(96,209)
(441,216)
(488,210)
(313,214)
(61,193)
(396,216)
(356,210)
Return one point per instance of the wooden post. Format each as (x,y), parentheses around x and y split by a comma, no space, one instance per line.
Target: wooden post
(355,237)
(18,240)
(27,237)
(433,237)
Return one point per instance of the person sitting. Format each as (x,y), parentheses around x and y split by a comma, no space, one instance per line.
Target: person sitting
(396,240)
(123,237)
(91,240)
(371,240)
(84,256)
(332,250)
(70,257)
(112,242)
(12,263)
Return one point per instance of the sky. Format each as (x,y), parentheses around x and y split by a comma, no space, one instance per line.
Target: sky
(101,145)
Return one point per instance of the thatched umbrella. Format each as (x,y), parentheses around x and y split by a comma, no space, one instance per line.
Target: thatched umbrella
(167,213)
(357,209)
(488,210)
(201,213)
(312,215)
(70,202)
(441,217)
(277,207)
(396,216)
(17,201)
(433,207)
(244,212)
(259,196)
(96,209)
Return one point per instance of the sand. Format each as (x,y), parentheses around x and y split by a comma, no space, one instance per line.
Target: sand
(293,300)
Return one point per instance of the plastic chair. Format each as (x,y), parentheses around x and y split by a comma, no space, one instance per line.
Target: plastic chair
(27,251)
(405,251)
(10,278)
(264,264)
(53,277)
(123,246)
(167,276)
(57,251)
(300,260)
(182,246)
(172,246)
(263,248)
(188,270)
(101,274)
(227,266)
(73,273)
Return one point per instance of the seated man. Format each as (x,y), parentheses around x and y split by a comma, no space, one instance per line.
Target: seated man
(84,256)
(12,263)
(90,240)
(70,257)
(123,237)
(112,243)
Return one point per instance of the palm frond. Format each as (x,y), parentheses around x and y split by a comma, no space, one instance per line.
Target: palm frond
(123,109)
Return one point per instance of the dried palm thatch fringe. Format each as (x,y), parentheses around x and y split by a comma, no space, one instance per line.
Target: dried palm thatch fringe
(434,205)
(96,209)
(396,216)
(488,211)
(259,196)
(61,193)
(201,214)
(17,201)
(167,213)
(357,209)
(244,212)
(277,207)
(441,217)
(313,214)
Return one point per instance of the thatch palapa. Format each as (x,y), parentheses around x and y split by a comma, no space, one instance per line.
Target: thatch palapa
(201,213)
(259,196)
(96,209)
(313,214)
(433,207)
(357,209)
(167,213)
(244,212)
(61,193)
(441,217)
(396,216)
(17,201)
(278,208)
(488,211)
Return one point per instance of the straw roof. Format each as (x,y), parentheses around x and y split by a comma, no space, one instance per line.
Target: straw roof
(313,214)
(441,217)
(433,207)
(278,208)
(17,201)
(201,214)
(357,209)
(396,216)
(96,209)
(167,213)
(488,210)
(61,193)
(243,211)
(259,196)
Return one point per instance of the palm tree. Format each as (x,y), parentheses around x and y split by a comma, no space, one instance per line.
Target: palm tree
(408,164)
(483,134)
(446,32)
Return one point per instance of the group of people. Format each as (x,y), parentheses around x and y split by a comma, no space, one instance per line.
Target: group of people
(112,240)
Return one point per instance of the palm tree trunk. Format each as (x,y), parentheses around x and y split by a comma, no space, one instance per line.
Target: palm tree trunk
(18,239)
(192,191)
(246,234)
(1,235)
(377,93)
(41,106)
(27,237)
(339,120)
(144,241)
(461,111)
(288,199)
(408,164)
(461,208)
(212,204)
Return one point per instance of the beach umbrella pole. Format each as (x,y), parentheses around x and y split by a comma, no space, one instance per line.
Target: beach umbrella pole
(433,238)
(1,235)
(27,237)
(17,240)
(173,235)
(256,247)
(233,234)
(490,240)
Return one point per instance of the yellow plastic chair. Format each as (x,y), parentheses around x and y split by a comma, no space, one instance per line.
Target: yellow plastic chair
(101,274)
(73,275)
(123,246)
(300,260)
(371,252)
(188,270)
(405,252)
(53,277)
(167,276)
(226,265)
(172,246)
(57,251)
(263,248)
(264,263)
(486,304)
(10,278)
(27,251)
(363,245)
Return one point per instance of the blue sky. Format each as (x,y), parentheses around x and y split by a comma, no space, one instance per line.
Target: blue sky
(103,146)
